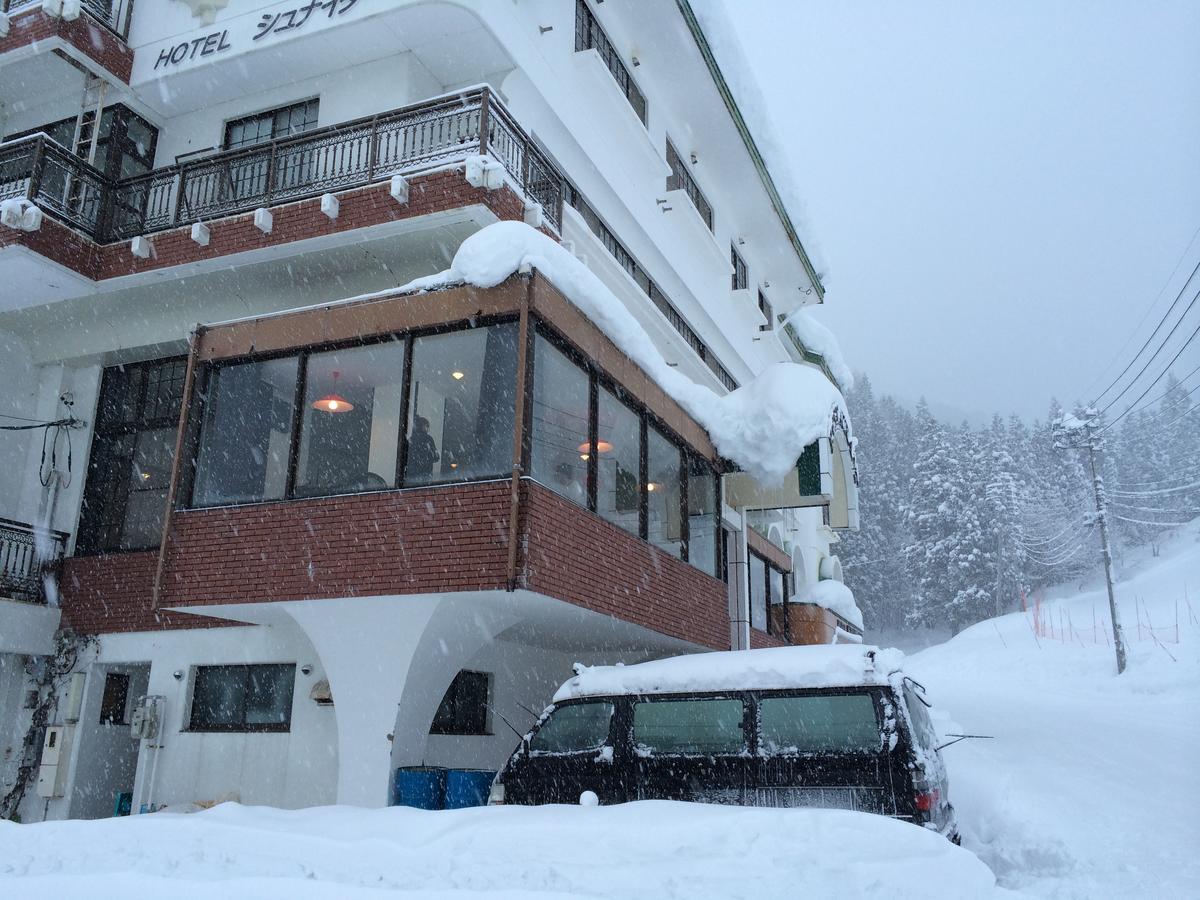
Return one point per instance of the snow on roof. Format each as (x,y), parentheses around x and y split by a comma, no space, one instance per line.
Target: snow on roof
(762,426)
(837,665)
(819,339)
(833,596)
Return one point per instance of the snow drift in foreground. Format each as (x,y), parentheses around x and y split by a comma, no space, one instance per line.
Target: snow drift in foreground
(652,849)
(763,426)
(1090,786)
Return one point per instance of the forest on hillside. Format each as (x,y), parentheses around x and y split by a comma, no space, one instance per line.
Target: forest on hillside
(958,523)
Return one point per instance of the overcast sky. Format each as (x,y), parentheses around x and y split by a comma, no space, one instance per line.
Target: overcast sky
(999,190)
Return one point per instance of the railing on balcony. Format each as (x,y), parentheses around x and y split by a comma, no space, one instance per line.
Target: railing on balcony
(27,555)
(426,136)
(112,14)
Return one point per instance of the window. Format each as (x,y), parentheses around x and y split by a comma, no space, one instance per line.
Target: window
(464,708)
(829,723)
(559,440)
(133,449)
(463,400)
(681,179)
(764,306)
(702,515)
(115,699)
(588,36)
(243,698)
(776,582)
(350,430)
(924,733)
(758,592)
(271,125)
(574,728)
(664,482)
(688,727)
(246,434)
(741,275)
(618,462)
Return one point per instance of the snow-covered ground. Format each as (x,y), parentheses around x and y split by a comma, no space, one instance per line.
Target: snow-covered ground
(652,850)
(1089,789)
(1091,786)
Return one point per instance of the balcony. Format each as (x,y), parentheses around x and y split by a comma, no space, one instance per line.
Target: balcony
(27,555)
(431,135)
(112,14)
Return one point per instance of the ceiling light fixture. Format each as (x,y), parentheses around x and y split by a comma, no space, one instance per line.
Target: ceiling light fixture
(333,402)
(457,375)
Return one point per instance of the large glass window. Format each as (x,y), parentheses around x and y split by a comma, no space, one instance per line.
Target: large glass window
(618,462)
(776,582)
(573,728)
(758,592)
(132,452)
(350,432)
(559,441)
(272,124)
(246,436)
(664,482)
(688,727)
(462,406)
(702,515)
(832,723)
(464,707)
(243,698)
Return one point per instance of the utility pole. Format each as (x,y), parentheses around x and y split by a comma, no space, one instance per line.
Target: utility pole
(1083,433)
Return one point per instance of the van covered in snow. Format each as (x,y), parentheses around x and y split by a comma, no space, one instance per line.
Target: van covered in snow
(829,726)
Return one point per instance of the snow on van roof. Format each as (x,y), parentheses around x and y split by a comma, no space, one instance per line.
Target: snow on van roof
(839,665)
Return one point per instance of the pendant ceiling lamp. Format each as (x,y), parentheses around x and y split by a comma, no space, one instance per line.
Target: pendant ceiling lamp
(333,402)
(602,446)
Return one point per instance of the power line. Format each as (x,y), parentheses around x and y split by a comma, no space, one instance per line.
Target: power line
(1168,393)
(1186,343)
(1186,413)
(1144,522)
(1175,490)
(1149,309)
(1142,350)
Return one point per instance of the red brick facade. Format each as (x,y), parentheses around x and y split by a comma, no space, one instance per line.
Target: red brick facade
(401,542)
(359,208)
(91,39)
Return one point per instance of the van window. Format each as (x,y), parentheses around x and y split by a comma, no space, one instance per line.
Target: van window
(830,723)
(923,730)
(570,729)
(688,727)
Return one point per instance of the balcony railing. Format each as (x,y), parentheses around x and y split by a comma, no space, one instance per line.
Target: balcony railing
(27,555)
(112,14)
(427,136)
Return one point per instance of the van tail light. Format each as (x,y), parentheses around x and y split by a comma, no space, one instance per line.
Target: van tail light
(496,795)
(925,801)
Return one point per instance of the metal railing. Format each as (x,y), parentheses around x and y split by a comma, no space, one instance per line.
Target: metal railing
(27,555)
(353,154)
(112,14)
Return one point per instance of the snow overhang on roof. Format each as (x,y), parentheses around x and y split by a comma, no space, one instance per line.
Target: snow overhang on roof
(775,668)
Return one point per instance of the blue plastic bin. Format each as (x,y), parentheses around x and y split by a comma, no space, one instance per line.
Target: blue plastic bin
(421,787)
(467,787)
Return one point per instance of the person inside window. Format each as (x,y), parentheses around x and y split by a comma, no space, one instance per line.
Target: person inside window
(422,451)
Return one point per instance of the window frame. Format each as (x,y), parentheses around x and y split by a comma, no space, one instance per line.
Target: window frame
(451,729)
(748,722)
(90,524)
(242,727)
(766,307)
(740,280)
(587,29)
(875,692)
(271,113)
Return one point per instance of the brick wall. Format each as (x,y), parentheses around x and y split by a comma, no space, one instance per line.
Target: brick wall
(579,557)
(359,208)
(112,593)
(96,42)
(760,639)
(400,542)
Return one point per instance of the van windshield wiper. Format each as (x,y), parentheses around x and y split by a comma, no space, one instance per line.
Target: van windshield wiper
(963,737)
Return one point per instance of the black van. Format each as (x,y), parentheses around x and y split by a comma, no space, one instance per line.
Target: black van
(838,726)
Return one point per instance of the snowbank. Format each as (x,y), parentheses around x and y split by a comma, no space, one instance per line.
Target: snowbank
(774,667)
(833,596)
(1090,785)
(763,426)
(656,849)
